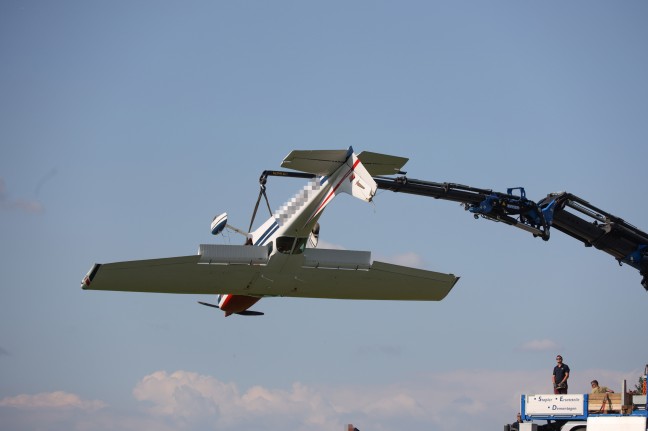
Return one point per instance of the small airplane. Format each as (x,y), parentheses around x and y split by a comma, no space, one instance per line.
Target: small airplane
(276,260)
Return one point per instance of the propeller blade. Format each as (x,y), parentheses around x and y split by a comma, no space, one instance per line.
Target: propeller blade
(250,313)
(242,313)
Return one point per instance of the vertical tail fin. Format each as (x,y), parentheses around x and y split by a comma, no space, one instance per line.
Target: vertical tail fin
(359,184)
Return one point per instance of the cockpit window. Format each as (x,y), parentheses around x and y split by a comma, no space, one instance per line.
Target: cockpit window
(284,244)
(291,244)
(300,245)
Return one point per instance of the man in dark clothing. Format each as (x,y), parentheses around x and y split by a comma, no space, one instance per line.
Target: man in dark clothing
(560,376)
(515,426)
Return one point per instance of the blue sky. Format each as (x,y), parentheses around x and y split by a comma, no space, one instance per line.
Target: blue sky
(126,126)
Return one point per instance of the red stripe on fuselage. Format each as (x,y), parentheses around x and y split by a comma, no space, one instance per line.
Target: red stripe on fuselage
(332,192)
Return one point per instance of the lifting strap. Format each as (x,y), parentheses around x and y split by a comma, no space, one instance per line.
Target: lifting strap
(262,192)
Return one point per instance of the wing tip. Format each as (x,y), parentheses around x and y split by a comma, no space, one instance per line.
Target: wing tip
(87,280)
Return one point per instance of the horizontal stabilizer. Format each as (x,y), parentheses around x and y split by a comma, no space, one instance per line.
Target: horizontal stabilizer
(318,162)
(382,164)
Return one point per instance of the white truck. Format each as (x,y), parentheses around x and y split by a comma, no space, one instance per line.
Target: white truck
(592,412)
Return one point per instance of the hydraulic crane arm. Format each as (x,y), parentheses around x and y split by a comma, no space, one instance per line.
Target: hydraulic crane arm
(595,227)
(564,211)
(514,210)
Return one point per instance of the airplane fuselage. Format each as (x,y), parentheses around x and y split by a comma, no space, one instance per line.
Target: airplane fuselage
(290,226)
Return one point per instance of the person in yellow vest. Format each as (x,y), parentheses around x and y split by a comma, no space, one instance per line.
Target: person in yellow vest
(596,389)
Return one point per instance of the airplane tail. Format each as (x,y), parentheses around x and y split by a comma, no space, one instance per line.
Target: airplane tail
(359,183)
(339,171)
(326,162)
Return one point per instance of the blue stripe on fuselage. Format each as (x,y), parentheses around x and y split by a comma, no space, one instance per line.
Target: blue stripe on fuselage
(272,229)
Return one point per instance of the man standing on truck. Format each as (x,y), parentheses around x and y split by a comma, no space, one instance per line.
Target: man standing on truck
(560,376)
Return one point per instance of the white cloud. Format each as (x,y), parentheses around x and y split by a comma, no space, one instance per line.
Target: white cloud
(51,400)
(184,395)
(185,400)
(189,398)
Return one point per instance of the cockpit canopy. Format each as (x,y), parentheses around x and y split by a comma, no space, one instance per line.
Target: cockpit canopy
(291,244)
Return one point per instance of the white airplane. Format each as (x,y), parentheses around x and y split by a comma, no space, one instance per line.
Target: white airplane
(275,260)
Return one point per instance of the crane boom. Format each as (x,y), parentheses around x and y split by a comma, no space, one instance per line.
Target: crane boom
(564,211)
